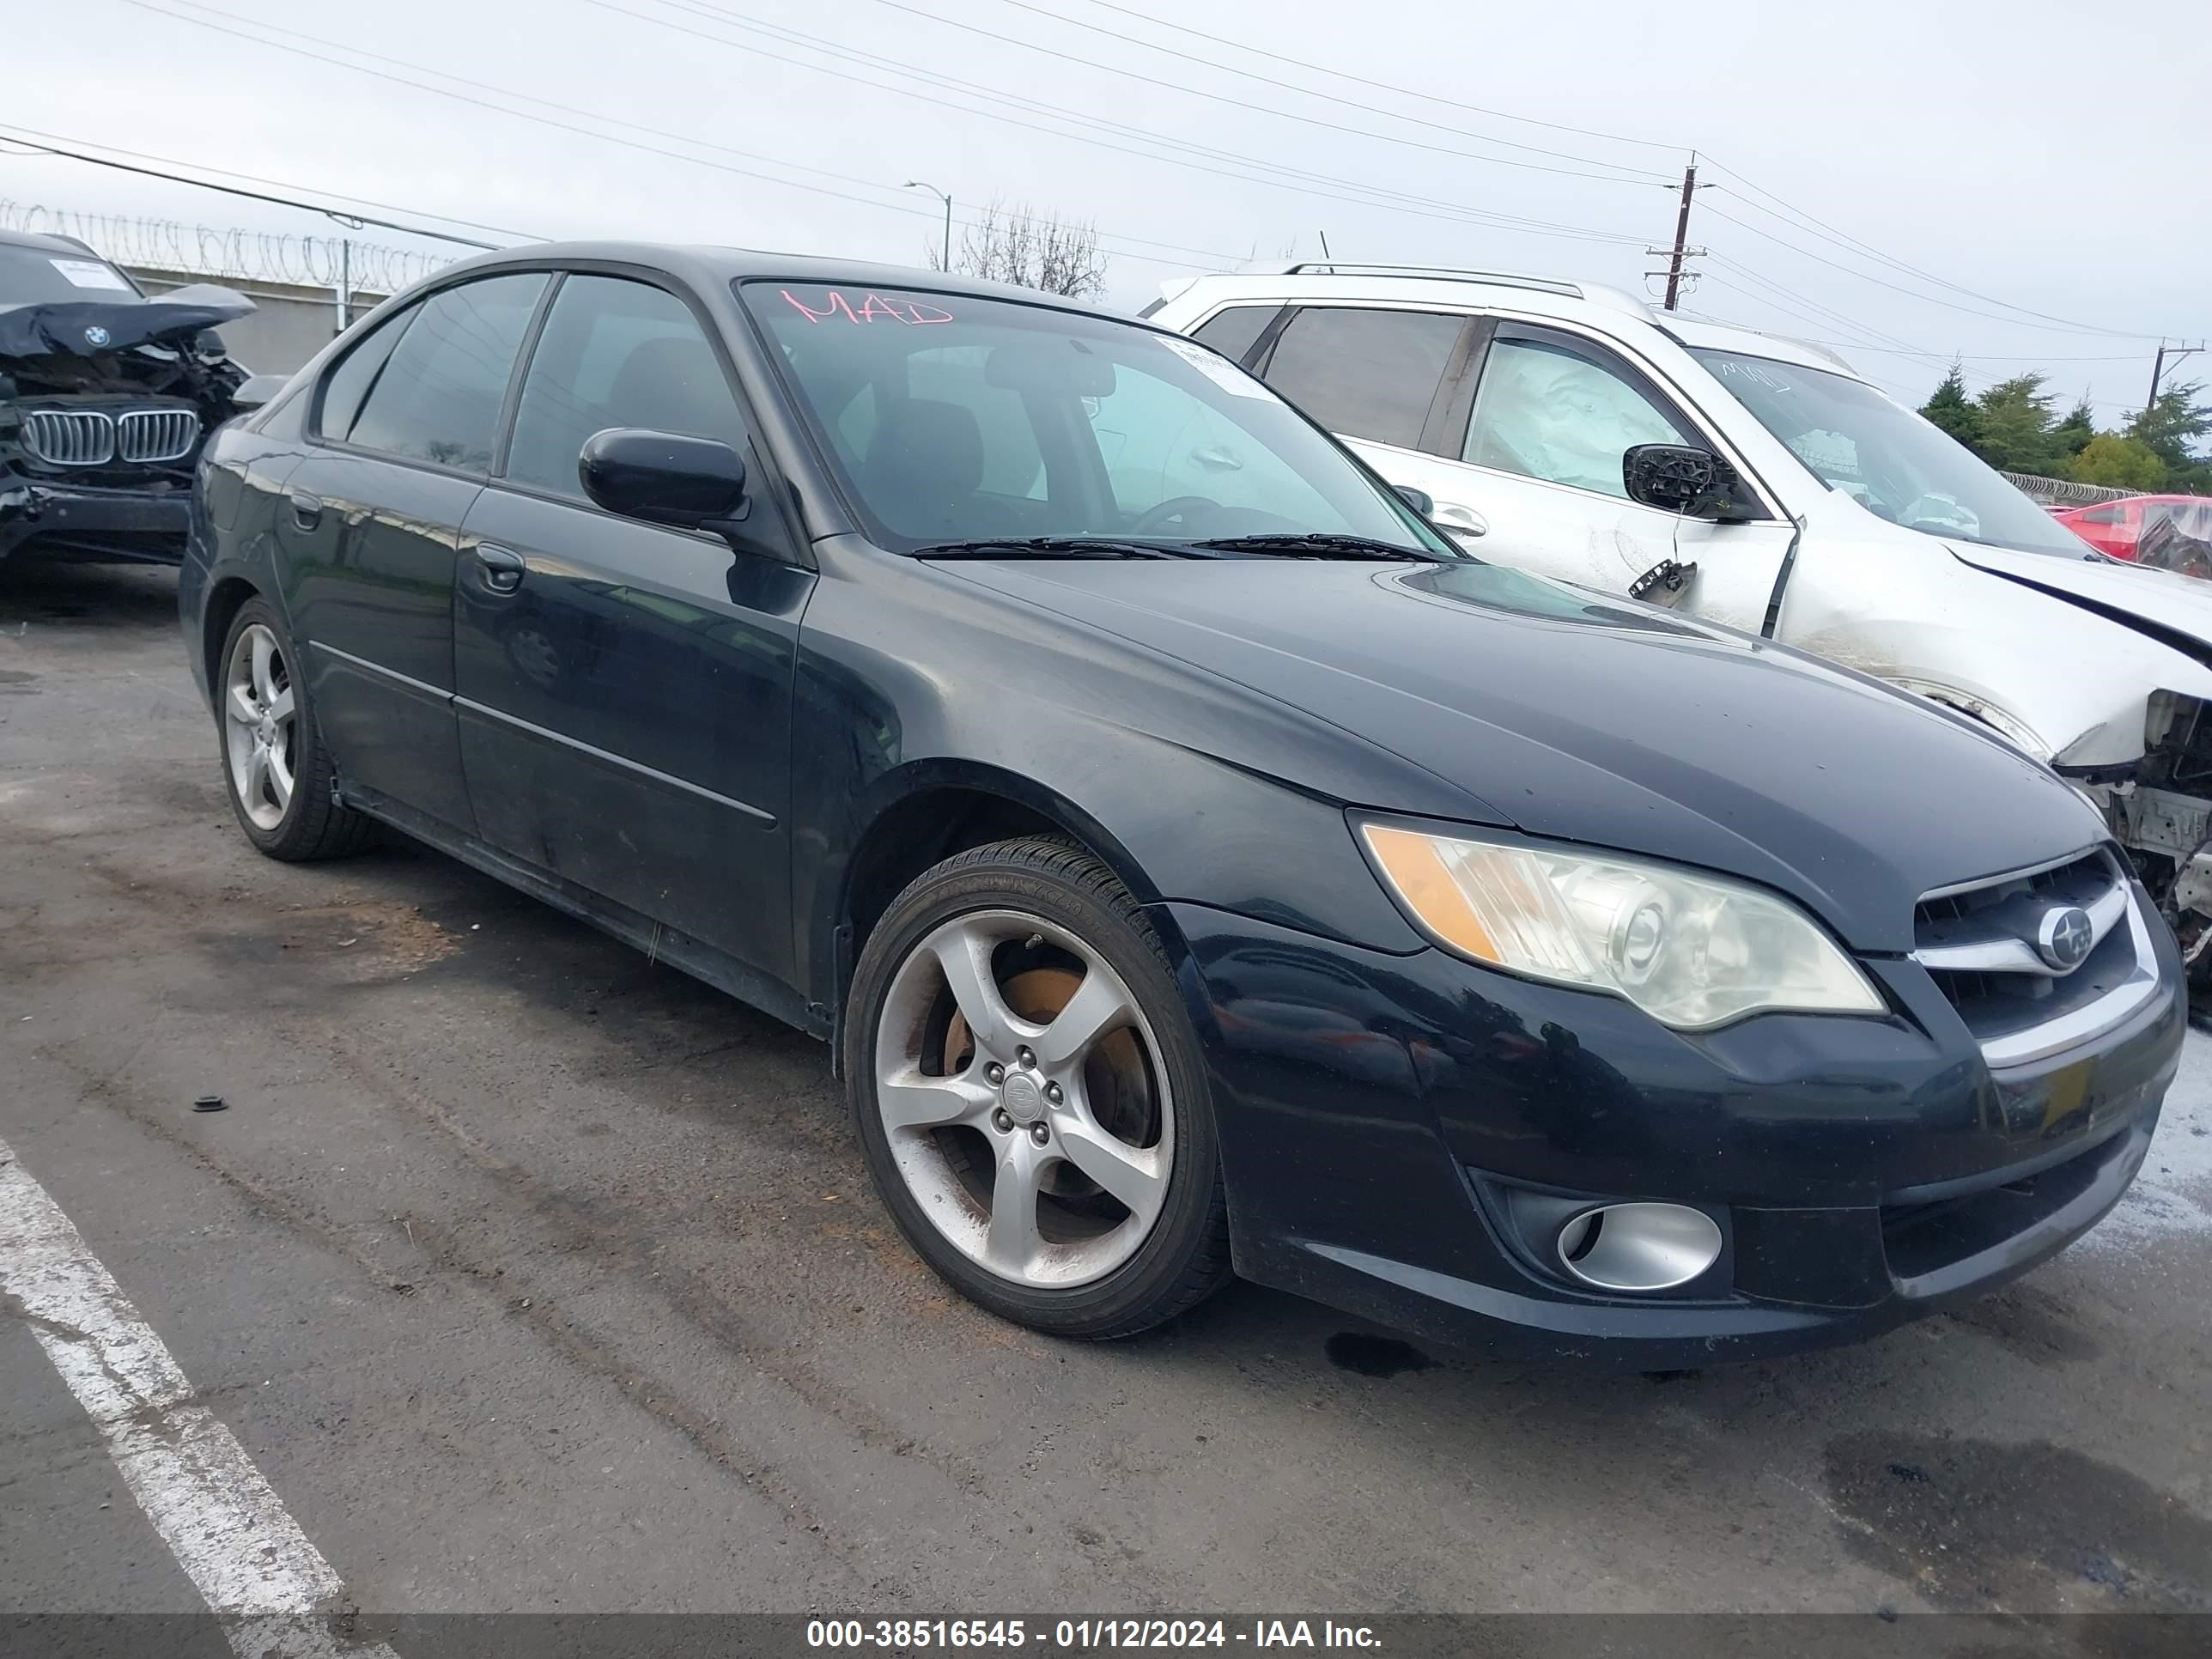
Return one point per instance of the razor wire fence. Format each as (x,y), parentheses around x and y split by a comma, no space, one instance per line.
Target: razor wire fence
(2054,492)
(234,254)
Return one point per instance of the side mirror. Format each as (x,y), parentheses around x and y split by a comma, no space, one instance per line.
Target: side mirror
(1419,500)
(1679,478)
(693,483)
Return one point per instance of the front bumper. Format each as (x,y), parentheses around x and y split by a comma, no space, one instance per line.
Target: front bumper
(142,525)
(1376,1111)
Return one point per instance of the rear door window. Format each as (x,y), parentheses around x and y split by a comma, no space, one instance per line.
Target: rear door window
(1365,373)
(349,383)
(440,392)
(614,353)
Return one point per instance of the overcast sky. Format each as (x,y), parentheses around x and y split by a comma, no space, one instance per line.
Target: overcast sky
(2013,155)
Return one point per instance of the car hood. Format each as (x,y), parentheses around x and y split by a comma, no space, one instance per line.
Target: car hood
(88,328)
(1573,716)
(2164,604)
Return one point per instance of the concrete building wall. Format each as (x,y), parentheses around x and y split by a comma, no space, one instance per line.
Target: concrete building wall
(293,321)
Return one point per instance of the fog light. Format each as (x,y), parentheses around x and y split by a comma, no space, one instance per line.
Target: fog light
(1639,1247)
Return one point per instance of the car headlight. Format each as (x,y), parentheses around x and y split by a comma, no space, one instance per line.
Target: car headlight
(1690,950)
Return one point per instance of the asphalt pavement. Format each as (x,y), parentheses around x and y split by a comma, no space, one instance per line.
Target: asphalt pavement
(531,1274)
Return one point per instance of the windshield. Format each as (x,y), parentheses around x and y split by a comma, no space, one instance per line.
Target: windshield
(35,276)
(951,418)
(1887,460)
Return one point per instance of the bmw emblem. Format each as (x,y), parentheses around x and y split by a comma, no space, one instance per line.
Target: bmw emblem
(96,335)
(2063,938)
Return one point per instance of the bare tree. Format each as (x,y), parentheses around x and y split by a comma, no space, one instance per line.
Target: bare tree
(1031,250)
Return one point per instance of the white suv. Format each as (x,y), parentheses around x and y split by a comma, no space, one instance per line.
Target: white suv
(1757,481)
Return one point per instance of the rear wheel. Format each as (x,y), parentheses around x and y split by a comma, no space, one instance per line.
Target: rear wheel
(1030,1096)
(277,771)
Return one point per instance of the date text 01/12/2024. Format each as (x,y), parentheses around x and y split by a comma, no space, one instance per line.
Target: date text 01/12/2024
(1079,1635)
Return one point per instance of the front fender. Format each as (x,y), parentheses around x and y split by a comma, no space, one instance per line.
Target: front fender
(901,689)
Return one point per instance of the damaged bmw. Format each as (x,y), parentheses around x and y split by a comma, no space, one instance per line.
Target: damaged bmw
(106,396)
(1195,863)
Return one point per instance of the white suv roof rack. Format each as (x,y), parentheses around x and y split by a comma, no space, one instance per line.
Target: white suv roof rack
(1596,292)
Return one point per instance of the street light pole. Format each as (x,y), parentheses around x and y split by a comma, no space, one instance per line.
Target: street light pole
(916,184)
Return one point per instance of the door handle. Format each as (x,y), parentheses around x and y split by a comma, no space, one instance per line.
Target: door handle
(1465,520)
(307,510)
(501,569)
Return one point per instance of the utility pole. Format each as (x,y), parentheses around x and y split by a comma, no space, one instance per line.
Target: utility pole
(947,257)
(1681,232)
(2158,368)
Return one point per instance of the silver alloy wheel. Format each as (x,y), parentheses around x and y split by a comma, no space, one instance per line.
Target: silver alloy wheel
(1013,1128)
(260,735)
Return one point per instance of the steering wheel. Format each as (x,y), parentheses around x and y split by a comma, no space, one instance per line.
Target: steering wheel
(1173,513)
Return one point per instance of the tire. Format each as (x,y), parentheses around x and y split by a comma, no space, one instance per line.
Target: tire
(276,769)
(945,1139)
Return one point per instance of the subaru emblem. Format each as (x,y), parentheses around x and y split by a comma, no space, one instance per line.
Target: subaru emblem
(2063,937)
(96,335)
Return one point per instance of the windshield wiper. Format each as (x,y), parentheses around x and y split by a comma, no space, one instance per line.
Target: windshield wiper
(1051,547)
(1321,547)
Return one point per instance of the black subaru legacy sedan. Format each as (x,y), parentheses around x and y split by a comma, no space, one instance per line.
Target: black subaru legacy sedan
(1195,865)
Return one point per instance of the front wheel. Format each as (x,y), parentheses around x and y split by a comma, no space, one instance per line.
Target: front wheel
(1030,1096)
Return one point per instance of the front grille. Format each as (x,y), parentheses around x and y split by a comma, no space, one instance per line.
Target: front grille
(1979,943)
(155,435)
(69,437)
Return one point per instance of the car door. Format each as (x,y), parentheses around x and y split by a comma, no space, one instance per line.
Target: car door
(624,688)
(1553,413)
(401,437)
(1390,381)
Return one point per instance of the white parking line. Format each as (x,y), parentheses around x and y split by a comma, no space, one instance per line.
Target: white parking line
(245,1555)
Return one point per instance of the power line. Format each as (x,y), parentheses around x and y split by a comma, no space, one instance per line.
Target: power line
(1308,92)
(584,132)
(1383,86)
(1360,194)
(1803,221)
(1365,195)
(1214,256)
(1799,220)
(1981,378)
(1616,178)
(1929,299)
(1844,239)
(1790,298)
(1807,317)
(38,141)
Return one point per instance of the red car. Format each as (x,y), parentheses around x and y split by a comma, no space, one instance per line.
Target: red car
(2173,533)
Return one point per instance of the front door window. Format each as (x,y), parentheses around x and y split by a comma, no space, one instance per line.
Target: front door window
(1549,411)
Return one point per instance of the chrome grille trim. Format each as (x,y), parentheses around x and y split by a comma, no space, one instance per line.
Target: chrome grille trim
(69,437)
(2079,1025)
(1975,940)
(2006,954)
(155,435)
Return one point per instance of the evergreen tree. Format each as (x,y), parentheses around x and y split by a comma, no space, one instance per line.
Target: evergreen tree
(2015,423)
(1952,410)
(2168,428)
(2071,435)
